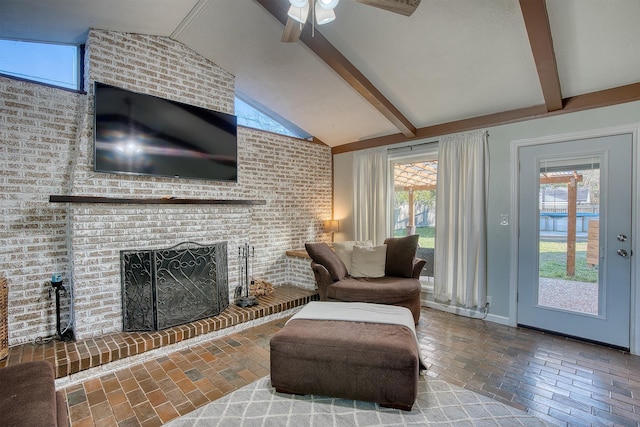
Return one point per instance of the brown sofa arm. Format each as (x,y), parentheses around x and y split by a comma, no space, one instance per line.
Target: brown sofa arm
(29,396)
(323,279)
(418,265)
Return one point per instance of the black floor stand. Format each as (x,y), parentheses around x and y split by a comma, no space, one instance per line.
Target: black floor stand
(67,334)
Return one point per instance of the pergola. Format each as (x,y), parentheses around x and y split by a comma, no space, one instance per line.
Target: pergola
(413,177)
(571,179)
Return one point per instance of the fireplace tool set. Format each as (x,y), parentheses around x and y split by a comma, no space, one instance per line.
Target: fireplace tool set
(243,299)
(67,333)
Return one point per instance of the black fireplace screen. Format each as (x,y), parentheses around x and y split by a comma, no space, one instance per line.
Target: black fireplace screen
(168,287)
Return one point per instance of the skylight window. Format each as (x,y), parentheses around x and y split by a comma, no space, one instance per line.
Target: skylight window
(48,63)
(257,117)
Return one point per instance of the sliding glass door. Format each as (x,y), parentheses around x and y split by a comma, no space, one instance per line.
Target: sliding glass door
(414,202)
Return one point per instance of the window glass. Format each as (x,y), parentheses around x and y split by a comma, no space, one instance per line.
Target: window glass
(414,205)
(252,117)
(52,64)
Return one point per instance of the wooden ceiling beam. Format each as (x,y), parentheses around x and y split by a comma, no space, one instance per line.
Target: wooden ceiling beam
(403,7)
(345,69)
(536,20)
(587,101)
(445,129)
(603,98)
(408,132)
(278,9)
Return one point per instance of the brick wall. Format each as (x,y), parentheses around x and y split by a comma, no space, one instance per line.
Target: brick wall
(53,154)
(299,272)
(38,127)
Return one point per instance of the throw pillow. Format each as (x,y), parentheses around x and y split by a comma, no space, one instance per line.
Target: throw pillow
(344,250)
(368,261)
(400,254)
(322,254)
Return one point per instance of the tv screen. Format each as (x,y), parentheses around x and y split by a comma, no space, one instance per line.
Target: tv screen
(146,135)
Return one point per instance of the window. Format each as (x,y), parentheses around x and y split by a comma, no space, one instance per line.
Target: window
(48,63)
(414,202)
(251,114)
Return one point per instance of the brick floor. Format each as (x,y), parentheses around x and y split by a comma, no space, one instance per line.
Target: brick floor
(566,382)
(156,391)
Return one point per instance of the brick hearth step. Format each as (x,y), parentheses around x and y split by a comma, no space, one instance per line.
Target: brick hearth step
(73,357)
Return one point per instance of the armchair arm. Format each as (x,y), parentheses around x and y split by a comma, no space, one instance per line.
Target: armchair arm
(418,265)
(323,279)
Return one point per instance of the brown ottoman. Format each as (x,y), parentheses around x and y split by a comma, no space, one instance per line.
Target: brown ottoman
(357,360)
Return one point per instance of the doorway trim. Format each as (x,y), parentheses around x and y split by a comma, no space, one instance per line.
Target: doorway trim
(634,130)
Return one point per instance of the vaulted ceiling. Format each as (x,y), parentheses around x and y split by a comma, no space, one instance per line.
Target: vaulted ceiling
(373,77)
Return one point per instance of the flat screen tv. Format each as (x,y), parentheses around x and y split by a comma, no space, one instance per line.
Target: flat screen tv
(146,135)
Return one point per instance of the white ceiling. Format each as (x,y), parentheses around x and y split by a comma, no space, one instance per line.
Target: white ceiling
(451,60)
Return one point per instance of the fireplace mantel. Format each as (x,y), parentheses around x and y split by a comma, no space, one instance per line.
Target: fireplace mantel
(56,198)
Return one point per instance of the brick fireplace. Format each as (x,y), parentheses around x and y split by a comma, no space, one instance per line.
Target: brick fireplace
(50,135)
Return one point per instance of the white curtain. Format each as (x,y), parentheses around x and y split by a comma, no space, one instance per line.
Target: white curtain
(460,277)
(370,195)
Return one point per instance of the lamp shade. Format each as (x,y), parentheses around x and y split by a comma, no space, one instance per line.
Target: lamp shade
(324,16)
(299,13)
(331,225)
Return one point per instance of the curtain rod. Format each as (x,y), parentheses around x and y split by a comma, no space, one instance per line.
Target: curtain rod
(410,147)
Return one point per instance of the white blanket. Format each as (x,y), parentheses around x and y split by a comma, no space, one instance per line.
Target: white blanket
(359,312)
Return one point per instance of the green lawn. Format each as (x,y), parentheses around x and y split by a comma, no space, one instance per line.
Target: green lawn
(553,262)
(427,236)
(553,257)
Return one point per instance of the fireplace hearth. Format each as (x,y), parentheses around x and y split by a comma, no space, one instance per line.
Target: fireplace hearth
(167,287)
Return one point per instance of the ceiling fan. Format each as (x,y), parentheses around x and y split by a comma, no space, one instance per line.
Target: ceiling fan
(322,11)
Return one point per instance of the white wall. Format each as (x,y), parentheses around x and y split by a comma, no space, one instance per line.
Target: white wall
(500,137)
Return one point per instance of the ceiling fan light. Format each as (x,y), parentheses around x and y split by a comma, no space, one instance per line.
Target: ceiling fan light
(327,4)
(298,3)
(324,16)
(299,14)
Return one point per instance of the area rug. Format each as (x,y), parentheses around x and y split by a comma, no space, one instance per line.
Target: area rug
(438,404)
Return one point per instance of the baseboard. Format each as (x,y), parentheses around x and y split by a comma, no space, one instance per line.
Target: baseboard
(466,312)
(498,319)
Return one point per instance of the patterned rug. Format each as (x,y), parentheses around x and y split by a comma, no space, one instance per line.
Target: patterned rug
(438,404)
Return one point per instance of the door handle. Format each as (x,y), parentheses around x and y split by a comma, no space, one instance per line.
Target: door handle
(622,253)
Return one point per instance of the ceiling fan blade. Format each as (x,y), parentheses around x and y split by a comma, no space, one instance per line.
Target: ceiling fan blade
(403,7)
(291,32)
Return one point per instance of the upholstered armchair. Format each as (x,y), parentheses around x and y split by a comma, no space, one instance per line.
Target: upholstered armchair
(387,274)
